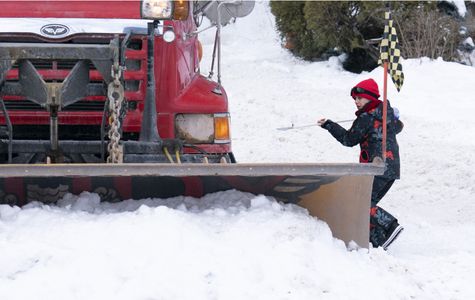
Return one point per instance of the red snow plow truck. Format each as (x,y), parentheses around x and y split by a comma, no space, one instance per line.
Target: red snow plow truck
(107,97)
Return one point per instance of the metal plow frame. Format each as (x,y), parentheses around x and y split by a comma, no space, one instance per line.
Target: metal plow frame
(338,194)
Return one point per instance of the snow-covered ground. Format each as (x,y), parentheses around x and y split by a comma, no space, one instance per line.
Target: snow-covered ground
(233,245)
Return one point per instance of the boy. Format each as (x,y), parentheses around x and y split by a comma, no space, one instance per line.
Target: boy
(367,131)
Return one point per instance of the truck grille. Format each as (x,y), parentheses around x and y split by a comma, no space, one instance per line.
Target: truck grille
(54,64)
(78,106)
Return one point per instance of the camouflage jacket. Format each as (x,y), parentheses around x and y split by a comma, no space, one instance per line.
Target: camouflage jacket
(367,131)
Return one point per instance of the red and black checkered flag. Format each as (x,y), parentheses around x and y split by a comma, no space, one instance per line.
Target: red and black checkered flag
(391,53)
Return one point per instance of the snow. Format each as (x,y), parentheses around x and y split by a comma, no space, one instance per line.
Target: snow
(234,245)
(469,41)
(460,5)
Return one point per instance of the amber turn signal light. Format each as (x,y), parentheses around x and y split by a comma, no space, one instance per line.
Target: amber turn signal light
(180,10)
(221,128)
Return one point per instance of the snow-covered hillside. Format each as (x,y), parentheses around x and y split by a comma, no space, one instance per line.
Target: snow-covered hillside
(234,245)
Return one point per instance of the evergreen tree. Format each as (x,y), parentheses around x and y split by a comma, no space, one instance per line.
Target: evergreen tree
(313,30)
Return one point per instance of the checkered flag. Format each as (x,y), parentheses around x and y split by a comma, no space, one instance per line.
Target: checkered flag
(391,53)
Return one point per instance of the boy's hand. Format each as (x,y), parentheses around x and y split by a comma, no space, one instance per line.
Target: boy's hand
(321,122)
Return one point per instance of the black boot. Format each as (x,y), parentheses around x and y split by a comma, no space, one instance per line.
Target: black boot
(377,236)
(392,233)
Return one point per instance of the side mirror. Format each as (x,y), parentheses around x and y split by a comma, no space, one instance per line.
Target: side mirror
(228,9)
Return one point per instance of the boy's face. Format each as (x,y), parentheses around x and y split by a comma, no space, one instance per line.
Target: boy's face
(360,102)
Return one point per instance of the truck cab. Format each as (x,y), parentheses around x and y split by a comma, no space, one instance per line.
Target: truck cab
(120,81)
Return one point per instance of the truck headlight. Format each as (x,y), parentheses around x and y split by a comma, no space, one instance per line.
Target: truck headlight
(203,128)
(157,9)
(163,9)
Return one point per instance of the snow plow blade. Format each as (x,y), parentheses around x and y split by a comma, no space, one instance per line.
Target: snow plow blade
(338,194)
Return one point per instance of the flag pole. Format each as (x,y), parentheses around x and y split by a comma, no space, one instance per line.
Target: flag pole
(385,108)
(390,52)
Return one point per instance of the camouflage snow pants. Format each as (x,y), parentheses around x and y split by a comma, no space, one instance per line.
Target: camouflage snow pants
(380,220)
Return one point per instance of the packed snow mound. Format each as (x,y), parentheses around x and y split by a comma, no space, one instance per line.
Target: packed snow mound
(228,245)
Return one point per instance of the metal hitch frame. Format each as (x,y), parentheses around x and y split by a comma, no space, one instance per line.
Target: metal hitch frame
(53,96)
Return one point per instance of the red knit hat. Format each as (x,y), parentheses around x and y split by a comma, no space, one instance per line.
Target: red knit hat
(367,89)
